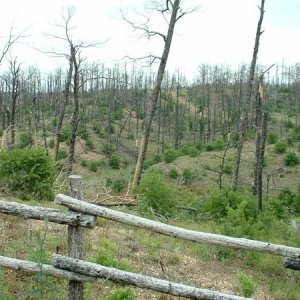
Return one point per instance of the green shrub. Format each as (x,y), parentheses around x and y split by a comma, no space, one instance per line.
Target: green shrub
(272,137)
(108,149)
(122,294)
(114,162)
(209,146)
(83,163)
(187,175)
(170,155)
(157,158)
(251,133)
(234,138)
(89,143)
(51,143)
(227,169)
(289,124)
(298,147)
(199,145)
(25,140)
(216,204)
(190,150)
(28,173)
(173,173)
(62,154)
(219,144)
(157,194)
(291,159)
(216,145)
(1,132)
(107,256)
(130,136)
(101,163)
(110,129)
(148,163)
(247,286)
(118,185)
(280,147)
(93,166)
(65,134)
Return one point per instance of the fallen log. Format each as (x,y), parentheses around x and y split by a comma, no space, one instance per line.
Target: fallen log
(33,267)
(49,214)
(177,232)
(141,281)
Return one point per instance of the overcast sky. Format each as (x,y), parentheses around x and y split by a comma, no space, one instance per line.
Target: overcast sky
(219,32)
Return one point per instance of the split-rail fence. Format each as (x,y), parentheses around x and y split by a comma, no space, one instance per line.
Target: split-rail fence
(83,215)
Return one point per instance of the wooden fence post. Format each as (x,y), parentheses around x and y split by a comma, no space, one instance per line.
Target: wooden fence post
(76,238)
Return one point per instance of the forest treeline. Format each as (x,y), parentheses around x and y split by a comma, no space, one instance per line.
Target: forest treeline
(113,101)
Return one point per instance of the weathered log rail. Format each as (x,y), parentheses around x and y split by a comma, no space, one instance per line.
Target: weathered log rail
(141,281)
(177,232)
(47,214)
(82,214)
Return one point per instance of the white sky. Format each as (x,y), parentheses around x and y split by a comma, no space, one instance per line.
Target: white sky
(220,32)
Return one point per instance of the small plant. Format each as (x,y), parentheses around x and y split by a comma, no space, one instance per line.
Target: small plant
(25,140)
(157,195)
(62,154)
(169,155)
(122,294)
(247,286)
(187,175)
(272,137)
(107,256)
(173,173)
(93,166)
(89,143)
(28,173)
(108,149)
(118,185)
(280,147)
(291,159)
(157,158)
(130,136)
(114,162)
(83,163)
(51,143)
(1,132)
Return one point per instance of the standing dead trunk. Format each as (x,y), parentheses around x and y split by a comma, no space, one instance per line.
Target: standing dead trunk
(261,132)
(249,92)
(155,93)
(75,116)
(63,108)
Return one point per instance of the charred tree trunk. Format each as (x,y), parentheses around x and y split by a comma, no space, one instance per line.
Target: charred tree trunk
(75,116)
(244,122)
(63,108)
(155,93)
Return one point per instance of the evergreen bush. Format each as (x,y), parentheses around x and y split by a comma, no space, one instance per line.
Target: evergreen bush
(157,195)
(291,159)
(280,147)
(170,155)
(114,162)
(27,173)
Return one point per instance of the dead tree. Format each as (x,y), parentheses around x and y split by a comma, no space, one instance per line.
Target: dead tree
(260,141)
(173,11)
(249,92)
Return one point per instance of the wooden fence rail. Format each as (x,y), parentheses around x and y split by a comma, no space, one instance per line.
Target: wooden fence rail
(142,281)
(177,232)
(82,214)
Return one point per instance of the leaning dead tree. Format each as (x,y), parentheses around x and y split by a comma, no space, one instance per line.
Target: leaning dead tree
(249,93)
(173,12)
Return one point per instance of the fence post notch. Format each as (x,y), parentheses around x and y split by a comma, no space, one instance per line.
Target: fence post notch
(76,238)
